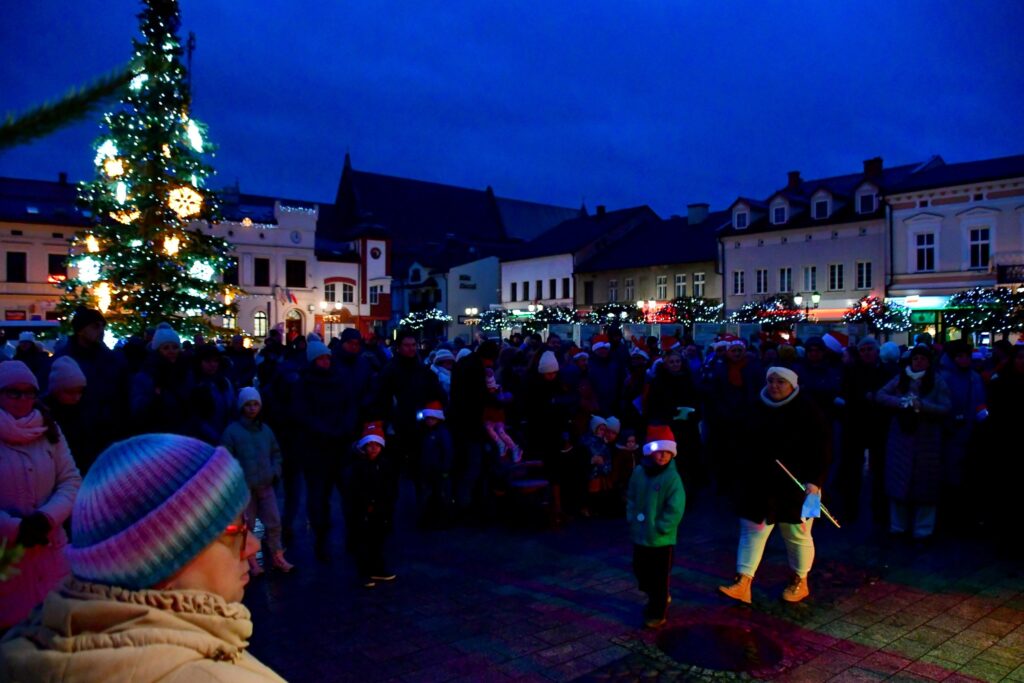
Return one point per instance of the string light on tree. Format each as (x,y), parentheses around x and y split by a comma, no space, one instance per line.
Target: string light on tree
(151,169)
(103,296)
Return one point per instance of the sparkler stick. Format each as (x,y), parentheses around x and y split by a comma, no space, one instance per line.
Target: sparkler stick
(824,510)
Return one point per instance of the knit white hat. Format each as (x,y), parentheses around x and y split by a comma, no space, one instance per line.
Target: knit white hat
(548,363)
(316,349)
(65,374)
(443,355)
(595,422)
(164,334)
(247,394)
(785,373)
(16,372)
(613,424)
(462,354)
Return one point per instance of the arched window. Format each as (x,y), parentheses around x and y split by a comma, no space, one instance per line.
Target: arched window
(259,324)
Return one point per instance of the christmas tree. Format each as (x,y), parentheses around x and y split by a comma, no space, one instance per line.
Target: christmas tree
(878,315)
(144,259)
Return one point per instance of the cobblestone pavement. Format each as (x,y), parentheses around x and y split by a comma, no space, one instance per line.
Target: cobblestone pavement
(508,602)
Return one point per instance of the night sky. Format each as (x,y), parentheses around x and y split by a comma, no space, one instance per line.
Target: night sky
(619,103)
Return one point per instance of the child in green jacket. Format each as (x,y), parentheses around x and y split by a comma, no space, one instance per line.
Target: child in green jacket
(654,508)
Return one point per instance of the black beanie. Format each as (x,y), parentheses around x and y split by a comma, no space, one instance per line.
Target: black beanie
(84,317)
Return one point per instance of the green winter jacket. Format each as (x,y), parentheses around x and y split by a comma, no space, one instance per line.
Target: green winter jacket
(654,506)
(255,447)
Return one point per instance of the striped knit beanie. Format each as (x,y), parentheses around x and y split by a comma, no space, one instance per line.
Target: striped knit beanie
(149,505)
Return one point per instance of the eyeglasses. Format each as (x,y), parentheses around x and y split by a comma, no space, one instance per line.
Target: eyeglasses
(18,394)
(236,530)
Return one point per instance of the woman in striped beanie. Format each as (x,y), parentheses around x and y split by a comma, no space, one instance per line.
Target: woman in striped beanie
(159,560)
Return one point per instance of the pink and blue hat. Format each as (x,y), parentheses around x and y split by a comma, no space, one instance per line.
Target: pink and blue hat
(149,505)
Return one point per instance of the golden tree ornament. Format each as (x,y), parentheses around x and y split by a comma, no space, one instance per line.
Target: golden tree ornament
(185,201)
(125,216)
(171,245)
(113,168)
(103,295)
(92,245)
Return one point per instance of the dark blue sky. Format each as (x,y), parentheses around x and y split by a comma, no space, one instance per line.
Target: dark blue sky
(613,102)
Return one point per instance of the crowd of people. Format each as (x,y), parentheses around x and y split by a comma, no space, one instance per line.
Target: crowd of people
(618,426)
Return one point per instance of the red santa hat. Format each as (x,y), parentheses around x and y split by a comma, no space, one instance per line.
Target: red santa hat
(669,343)
(660,438)
(579,354)
(432,409)
(600,341)
(372,432)
(836,341)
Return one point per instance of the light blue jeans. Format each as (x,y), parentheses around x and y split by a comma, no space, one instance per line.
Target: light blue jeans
(754,538)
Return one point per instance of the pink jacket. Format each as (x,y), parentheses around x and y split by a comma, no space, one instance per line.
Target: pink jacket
(37,475)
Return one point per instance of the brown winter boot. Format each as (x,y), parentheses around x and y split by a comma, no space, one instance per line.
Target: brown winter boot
(797,589)
(740,590)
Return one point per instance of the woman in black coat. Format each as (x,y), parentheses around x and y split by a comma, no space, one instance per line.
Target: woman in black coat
(784,425)
(673,400)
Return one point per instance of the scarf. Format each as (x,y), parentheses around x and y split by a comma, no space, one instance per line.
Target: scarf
(23,430)
(777,404)
(915,375)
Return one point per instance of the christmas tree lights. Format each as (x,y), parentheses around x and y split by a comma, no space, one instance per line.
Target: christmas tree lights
(615,314)
(418,319)
(773,313)
(694,309)
(144,258)
(495,320)
(878,315)
(984,309)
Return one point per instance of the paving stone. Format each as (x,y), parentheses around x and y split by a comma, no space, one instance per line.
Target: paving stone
(973,638)
(929,635)
(884,662)
(856,675)
(950,623)
(986,671)
(955,652)
(929,670)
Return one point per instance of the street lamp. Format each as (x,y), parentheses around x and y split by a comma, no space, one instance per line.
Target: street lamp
(472,320)
(798,299)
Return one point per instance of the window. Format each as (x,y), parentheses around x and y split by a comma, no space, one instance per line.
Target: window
(348,293)
(835,276)
(294,273)
(810,278)
(565,288)
(738,286)
(761,280)
(741,219)
(55,268)
(16,268)
(259,324)
(231,271)
(779,215)
(539,292)
(329,293)
(512,291)
(925,246)
(821,209)
(526,290)
(866,203)
(613,291)
(698,284)
(630,290)
(661,287)
(588,293)
(785,279)
(863,274)
(261,273)
(375,294)
(552,288)
(680,284)
(979,245)
(230,322)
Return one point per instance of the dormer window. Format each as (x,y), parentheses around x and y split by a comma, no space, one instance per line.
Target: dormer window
(820,209)
(740,219)
(866,202)
(779,214)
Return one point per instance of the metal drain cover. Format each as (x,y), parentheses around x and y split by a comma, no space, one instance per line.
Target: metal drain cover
(720,647)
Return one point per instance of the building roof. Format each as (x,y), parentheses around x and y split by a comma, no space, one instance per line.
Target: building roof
(959,174)
(662,242)
(40,202)
(434,224)
(569,237)
(843,189)
(527,220)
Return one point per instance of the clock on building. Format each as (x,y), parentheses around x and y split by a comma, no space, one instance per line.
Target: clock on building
(296,236)
(375,253)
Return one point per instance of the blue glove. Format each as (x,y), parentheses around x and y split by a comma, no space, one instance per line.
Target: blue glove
(812,506)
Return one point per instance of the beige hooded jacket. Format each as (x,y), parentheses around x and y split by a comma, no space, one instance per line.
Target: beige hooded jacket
(90,632)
